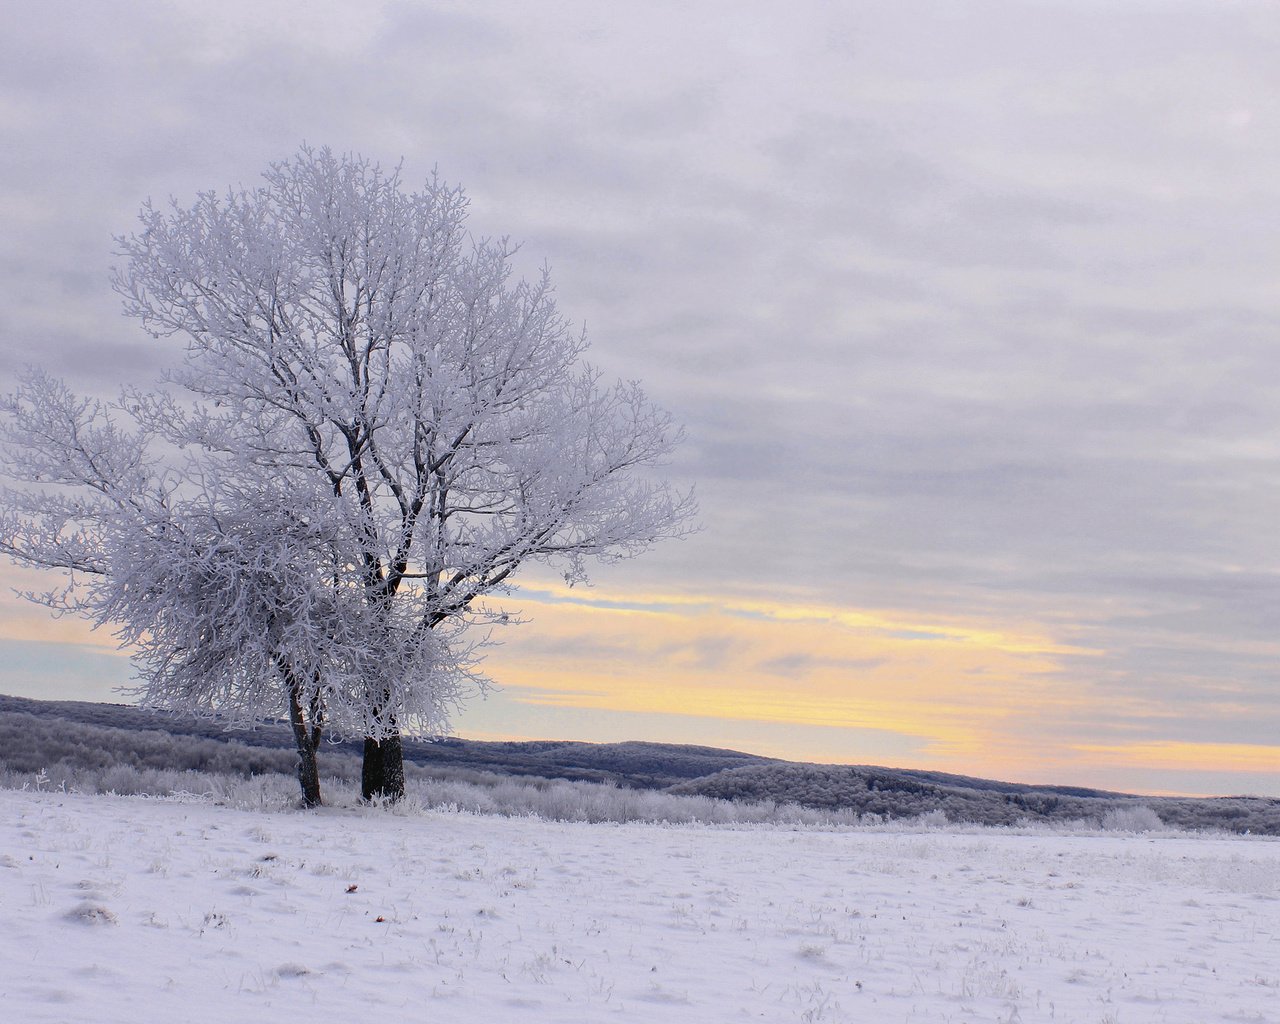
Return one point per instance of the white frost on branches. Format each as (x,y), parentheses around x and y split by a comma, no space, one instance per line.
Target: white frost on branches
(234,601)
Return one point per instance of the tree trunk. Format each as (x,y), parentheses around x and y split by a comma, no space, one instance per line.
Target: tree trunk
(382,775)
(307,739)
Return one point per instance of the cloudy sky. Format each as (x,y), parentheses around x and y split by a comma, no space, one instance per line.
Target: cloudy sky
(971,312)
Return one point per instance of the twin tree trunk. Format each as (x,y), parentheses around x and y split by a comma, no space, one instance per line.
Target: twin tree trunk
(382,774)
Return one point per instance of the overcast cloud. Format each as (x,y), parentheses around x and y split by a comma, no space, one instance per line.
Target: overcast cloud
(970,309)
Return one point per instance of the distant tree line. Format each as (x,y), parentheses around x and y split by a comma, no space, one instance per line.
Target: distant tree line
(884,792)
(77,744)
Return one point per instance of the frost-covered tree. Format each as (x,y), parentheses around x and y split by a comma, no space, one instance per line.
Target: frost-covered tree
(234,600)
(375,426)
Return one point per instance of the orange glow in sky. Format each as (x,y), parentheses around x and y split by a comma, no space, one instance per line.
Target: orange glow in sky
(800,681)
(965,696)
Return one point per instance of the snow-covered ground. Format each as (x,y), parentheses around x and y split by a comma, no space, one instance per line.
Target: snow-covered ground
(138,910)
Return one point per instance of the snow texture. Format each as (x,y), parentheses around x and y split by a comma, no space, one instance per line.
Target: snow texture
(126,909)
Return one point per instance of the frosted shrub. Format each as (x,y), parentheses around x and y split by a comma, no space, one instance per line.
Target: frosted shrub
(1136,818)
(560,800)
(273,792)
(462,796)
(549,799)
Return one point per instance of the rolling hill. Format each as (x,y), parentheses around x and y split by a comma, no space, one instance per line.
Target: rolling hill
(36,734)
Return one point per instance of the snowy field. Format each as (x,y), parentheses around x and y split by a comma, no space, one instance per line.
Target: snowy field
(136,910)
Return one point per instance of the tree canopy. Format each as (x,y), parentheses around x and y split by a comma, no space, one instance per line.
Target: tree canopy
(374,425)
